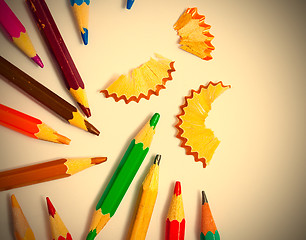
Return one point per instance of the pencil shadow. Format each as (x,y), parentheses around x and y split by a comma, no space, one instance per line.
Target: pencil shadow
(124,2)
(10,218)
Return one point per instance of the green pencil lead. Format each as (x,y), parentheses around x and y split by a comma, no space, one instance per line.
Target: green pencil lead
(154,120)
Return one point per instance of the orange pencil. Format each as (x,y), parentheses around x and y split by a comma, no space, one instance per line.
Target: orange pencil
(46,171)
(22,229)
(208,227)
(58,228)
(29,125)
(175,223)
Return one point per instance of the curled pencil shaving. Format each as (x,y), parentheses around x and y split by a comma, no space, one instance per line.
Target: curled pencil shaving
(198,140)
(147,79)
(194,34)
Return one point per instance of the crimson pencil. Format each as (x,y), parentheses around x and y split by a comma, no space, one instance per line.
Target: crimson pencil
(29,125)
(175,223)
(49,30)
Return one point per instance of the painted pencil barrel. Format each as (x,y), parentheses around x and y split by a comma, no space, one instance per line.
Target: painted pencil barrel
(49,30)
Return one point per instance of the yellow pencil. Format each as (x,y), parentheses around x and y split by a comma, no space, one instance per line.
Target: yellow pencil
(22,229)
(147,202)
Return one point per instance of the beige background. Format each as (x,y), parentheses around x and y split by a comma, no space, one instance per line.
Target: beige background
(255,183)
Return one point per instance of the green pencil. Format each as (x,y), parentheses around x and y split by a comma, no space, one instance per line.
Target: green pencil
(122,178)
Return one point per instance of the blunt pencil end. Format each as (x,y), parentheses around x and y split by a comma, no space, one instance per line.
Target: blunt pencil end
(85,36)
(38,61)
(154,120)
(98,160)
(62,139)
(91,128)
(157,159)
(85,110)
(204,198)
(51,209)
(177,188)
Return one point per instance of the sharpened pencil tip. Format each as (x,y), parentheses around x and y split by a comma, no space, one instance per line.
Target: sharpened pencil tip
(38,61)
(177,188)
(51,208)
(85,110)
(91,128)
(62,139)
(204,198)
(129,4)
(85,36)
(98,160)
(157,159)
(154,120)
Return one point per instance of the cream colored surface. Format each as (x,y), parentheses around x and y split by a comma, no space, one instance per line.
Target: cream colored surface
(255,182)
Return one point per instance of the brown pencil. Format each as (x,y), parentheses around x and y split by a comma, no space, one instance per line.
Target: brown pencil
(45,96)
(46,171)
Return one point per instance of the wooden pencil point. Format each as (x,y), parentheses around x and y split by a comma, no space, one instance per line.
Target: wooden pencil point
(85,110)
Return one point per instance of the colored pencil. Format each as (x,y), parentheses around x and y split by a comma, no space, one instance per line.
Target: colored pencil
(129,4)
(147,202)
(81,12)
(53,38)
(46,171)
(58,228)
(45,96)
(122,177)
(175,223)
(17,33)
(29,125)
(208,227)
(22,229)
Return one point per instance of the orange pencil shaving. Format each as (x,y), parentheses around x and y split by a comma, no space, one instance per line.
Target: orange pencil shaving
(46,171)
(194,34)
(175,223)
(22,229)
(208,227)
(29,125)
(58,228)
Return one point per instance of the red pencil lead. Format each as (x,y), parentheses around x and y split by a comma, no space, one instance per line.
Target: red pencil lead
(51,208)
(177,188)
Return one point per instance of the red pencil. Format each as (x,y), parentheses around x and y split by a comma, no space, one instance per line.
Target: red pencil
(175,223)
(58,228)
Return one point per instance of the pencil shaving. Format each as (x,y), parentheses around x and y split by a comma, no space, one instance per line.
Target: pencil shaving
(194,34)
(199,141)
(147,79)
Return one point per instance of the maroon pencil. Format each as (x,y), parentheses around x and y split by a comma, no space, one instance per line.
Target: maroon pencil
(50,32)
